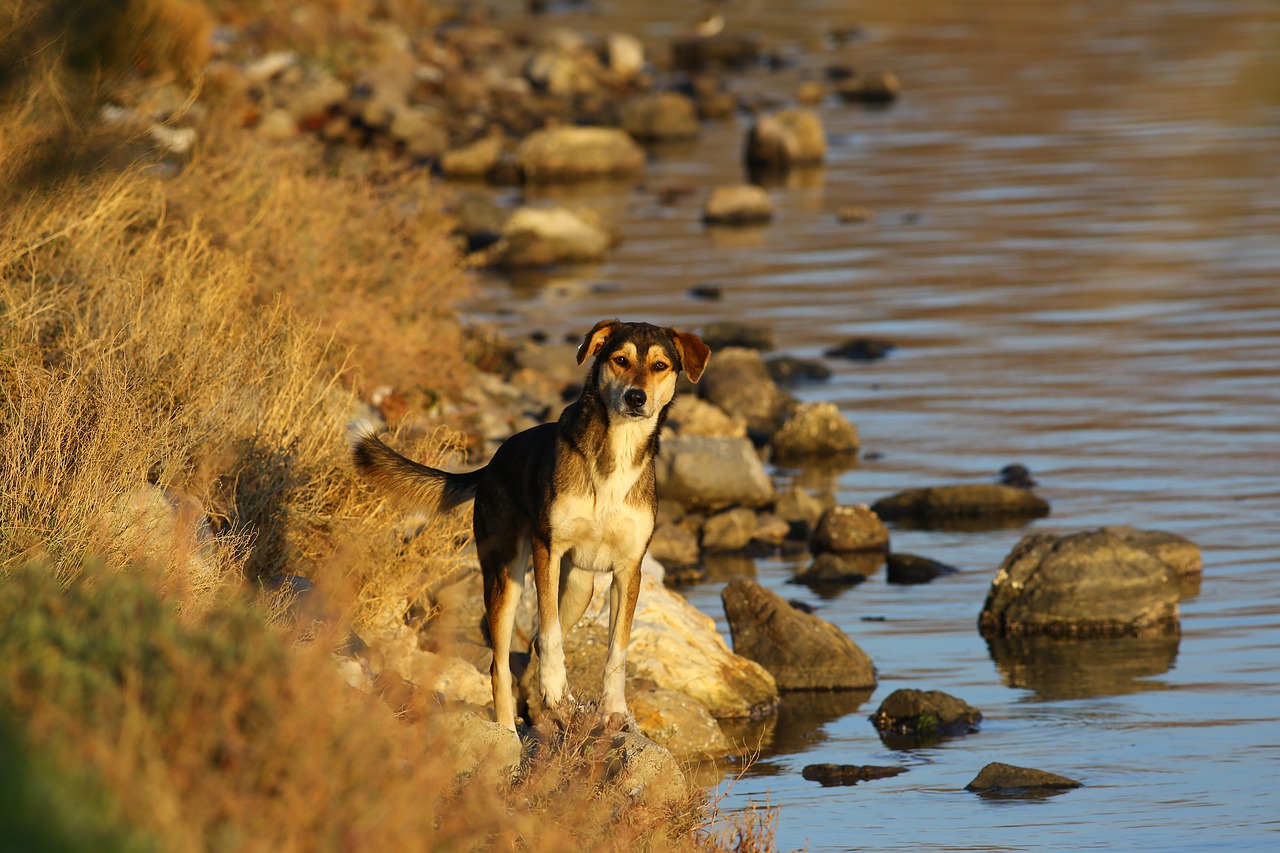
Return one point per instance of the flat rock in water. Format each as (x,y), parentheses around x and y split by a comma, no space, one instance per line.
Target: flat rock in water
(978,500)
(565,154)
(1003,777)
(836,569)
(1088,584)
(786,368)
(720,336)
(802,651)
(737,204)
(831,775)
(860,349)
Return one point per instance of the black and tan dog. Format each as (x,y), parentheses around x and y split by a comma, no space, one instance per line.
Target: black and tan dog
(578,496)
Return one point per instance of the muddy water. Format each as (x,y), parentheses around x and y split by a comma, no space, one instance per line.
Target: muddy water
(1077,250)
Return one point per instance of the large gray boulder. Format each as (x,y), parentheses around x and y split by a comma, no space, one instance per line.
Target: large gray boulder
(802,651)
(712,471)
(1087,584)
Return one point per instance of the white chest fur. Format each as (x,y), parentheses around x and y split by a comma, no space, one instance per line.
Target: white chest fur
(600,529)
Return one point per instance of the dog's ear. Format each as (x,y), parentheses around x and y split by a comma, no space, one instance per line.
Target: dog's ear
(693,353)
(593,340)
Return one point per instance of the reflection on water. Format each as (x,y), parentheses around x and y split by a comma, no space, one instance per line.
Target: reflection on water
(797,728)
(1056,669)
(1075,249)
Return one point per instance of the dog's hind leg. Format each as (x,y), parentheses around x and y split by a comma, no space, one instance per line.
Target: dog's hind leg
(504,571)
(624,591)
(576,587)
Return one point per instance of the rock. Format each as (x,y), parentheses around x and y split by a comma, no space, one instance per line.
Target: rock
(535,236)
(770,530)
(576,153)
(479,218)
(802,651)
(737,204)
(1004,777)
(421,131)
(913,569)
(860,349)
(675,721)
(673,645)
(659,117)
(491,750)
(816,429)
(1180,554)
(674,545)
(811,92)
(721,50)
(1092,583)
(979,500)
(731,530)
(647,772)
(847,530)
(786,368)
(720,336)
(853,214)
(711,471)
(624,55)
(565,69)
(473,161)
(738,382)
(921,712)
(168,529)
(831,775)
(692,415)
(831,568)
(873,87)
(1018,476)
(785,139)
(277,126)
(800,510)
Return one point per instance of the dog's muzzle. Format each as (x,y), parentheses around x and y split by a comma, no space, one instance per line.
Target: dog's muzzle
(634,399)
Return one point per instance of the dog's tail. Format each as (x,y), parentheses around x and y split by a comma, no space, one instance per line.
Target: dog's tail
(414,485)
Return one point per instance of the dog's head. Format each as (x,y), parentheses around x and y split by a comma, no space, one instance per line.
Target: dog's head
(636,364)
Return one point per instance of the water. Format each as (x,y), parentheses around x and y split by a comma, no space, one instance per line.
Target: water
(1077,251)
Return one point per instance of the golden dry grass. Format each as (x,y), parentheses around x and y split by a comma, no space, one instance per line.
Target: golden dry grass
(197,342)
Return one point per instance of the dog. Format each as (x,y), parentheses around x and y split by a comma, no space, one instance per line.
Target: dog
(578,496)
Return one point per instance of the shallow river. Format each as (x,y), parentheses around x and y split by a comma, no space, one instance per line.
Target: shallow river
(1077,251)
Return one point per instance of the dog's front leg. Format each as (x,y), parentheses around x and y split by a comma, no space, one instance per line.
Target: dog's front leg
(624,591)
(551,673)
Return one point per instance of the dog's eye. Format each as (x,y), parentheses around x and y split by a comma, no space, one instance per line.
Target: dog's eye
(620,360)
(659,366)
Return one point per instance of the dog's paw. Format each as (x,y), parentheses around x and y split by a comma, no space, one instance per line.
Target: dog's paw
(617,723)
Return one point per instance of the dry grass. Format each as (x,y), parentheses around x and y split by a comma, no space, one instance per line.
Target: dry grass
(188,349)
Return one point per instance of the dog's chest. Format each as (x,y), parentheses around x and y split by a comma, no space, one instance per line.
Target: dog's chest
(601,528)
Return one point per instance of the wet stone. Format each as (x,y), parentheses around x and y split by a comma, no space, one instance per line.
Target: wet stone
(832,775)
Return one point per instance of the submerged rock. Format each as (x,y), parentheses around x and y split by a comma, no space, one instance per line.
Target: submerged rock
(978,500)
(1092,583)
(997,776)
(914,569)
(831,775)
(861,349)
(802,651)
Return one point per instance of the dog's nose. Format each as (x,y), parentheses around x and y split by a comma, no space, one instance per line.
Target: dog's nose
(634,398)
